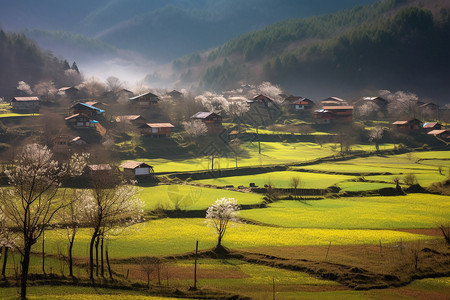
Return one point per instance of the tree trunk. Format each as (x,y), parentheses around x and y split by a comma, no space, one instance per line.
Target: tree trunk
(91,254)
(43,251)
(70,255)
(102,273)
(96,255)
(25,265)
(5,258)
(109,266)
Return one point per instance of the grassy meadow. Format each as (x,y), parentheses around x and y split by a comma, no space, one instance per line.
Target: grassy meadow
(358,228)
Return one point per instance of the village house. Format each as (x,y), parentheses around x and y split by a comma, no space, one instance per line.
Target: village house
(413,125)
(99,170)
(86,109)
(25,104)
(69,91)
(133,168)
(97,104)
(80,121)
(136,120)
(156,129)
(212,121)
(145,100)
(61,144)
(442,134)
(334,101)
(298,104)
(334,114)
(432,126)
(175,95)
(378,101)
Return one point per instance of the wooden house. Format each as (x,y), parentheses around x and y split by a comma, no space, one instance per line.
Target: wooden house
(334,101)
(136,120)
(133,168)
(86,109)
(61,144)
(442,134)
(99,170)
(25,104)
(298,104)
(80,121)
(334,114)
(212,121)
(69,91)
(260,99)
(97,104)
(145,100)
(413,125)
(432,126)
(176,95)
(156,129)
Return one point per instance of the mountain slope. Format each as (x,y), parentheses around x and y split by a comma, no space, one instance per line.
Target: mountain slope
(22,60)
(387,45)
(160,30)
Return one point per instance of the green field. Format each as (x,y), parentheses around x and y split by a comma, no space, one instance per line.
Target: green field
(411,211)
(174,236)
(280,180)
(190,197)
(272,153)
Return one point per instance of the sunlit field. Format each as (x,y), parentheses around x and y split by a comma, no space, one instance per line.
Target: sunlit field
(175,236)
(190,197)
(280,180)
(410,211)
(272,153)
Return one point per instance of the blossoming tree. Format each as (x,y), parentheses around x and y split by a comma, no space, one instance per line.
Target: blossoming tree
(220,214)
(31,201)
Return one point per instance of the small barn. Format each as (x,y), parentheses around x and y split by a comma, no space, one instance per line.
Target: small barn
(86,109)
(145,100)
(133,168)
(442,133)
(334,114)
(333,101)
(136,120)
(156,129)
(212,121)
(412,125)
(298,104)
(80,121)
(25,104)
(432,126)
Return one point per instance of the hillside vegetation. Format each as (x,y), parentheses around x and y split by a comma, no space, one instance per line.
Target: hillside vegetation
(22,60)
(392,44)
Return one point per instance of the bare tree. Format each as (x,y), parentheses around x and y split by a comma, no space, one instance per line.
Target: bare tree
(295,182)
(92,87)
(108,205)
(375,135)
(114,84)
(220,214)
(30,203)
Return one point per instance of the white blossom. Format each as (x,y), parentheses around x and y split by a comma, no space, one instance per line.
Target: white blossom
(220,214)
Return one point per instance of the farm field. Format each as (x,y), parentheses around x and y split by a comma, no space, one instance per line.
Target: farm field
(176,236)
(188,197)
(280,180)
(410,211)
(273,153)
(377,234)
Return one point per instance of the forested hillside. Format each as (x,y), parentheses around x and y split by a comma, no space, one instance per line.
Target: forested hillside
(390,44)
(159,30)
(22,60)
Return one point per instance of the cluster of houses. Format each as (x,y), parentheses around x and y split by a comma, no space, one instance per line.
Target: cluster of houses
(333,110)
